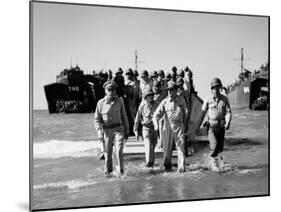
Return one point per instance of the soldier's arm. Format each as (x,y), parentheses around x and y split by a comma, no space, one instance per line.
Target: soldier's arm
(185,114)
(228,115)
(205,107)
(98,119)
(158,114)
(124,118)
(137,119)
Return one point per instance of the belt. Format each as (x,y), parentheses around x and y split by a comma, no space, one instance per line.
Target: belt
(111,126)
(148,125)
(216,123)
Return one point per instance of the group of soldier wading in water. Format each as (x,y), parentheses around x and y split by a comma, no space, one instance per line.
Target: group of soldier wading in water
(157,108)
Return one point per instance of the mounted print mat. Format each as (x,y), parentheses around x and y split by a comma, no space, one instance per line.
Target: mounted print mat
(138,105)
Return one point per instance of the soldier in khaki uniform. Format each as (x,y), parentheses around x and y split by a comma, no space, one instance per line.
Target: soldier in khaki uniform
(130,98)
(144,115)
(174,109)
(219,118)
(112,125)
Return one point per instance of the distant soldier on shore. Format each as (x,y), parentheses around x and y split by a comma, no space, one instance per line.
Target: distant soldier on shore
(219,118)
(130,98)
(145,83)
(111,124)
(144,115)
(119,79)
(174,109)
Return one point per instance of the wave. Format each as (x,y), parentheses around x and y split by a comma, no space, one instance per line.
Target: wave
(71,184)
(64,148)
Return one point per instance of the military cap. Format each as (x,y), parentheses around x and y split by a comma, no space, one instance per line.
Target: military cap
(161,72)
(179,81)
(171,85)
(129,71)
(144,73)
(186,69)
(156,85)
(148,92)
(110,85)
(136,73)
(154,74)
(216,82)
(174,69)
(181,73)
(120,70)
(169,76)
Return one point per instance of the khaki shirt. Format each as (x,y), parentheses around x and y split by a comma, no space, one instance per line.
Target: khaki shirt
(110,112)
(218,108)
(175,111)
(159,97)
(144,86)
(145,114)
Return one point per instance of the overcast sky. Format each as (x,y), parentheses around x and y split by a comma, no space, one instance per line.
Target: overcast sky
(104,37)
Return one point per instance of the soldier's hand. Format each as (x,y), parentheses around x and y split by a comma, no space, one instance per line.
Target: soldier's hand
(100,137)
(227,126)
(197,131)
(126,136)
(137,135)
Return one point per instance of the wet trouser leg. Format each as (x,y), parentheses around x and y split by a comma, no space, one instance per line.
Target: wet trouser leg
(216,139)
(161,127)
(168,148)
(179,140)
(110,135)
(150,140)
(119,140)
(107,146)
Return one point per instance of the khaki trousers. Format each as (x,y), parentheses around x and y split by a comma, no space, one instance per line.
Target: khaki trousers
(113,137)
(174,133)
(150,140)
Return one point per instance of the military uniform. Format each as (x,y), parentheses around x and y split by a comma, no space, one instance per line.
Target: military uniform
(111,121)
(144,115)
(175,113)
(145,85)
(130,98)
(219,115)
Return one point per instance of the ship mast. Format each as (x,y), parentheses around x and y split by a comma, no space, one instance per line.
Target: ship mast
(242,60)
(136,60)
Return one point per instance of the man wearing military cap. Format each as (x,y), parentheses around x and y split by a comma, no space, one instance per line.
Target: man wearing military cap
(160,93)
(154,76)
(130,98)
(219,118)
(145,83)
(174,110)
(112,126)
(144,115)
(119,79)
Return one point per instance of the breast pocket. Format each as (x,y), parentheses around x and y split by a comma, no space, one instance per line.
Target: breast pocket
(106,113)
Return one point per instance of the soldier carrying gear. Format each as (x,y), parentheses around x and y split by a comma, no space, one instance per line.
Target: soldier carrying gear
(174,109)
(219,118)
(144,115)
(111,123)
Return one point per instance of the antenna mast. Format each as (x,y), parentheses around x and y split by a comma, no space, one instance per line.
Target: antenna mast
(136,60)
(242,60)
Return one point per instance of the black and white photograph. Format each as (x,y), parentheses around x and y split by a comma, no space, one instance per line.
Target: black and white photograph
(141,105)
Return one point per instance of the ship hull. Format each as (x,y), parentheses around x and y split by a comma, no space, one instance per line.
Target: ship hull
(245,93)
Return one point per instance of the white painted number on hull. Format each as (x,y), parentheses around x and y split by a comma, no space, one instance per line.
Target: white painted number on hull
(246,89)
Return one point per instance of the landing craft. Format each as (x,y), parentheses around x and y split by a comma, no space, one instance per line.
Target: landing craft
(74,92)
(251,90)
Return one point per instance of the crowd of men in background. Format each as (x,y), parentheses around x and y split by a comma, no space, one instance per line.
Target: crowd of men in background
(158,107)
(133,86)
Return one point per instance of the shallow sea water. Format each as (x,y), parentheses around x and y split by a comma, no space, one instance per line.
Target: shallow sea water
(66,172)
